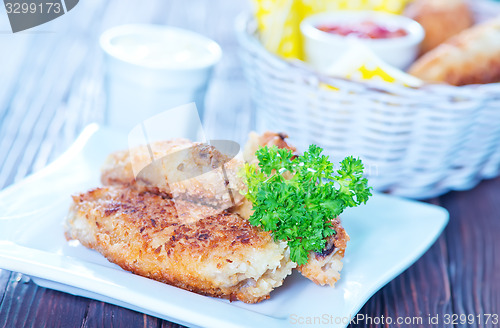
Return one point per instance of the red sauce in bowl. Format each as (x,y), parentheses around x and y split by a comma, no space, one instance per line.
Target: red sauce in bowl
(363,30)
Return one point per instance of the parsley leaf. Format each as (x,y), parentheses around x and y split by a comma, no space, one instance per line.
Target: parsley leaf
(296,197)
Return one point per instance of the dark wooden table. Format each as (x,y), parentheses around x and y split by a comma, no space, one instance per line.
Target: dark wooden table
(51,82)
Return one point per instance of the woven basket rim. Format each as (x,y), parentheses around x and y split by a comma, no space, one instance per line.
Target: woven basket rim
(246,30)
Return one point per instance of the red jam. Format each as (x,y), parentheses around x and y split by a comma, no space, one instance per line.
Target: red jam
(363,30)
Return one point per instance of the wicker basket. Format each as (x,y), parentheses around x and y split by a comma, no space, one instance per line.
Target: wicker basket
(415,143)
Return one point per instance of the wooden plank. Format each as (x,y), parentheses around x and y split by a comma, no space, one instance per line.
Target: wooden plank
(16,303)
(4,280)
(11,66)
(167,324)
(27,305)
(48,82)
(474,251)
(51,308)
(101,314)
(421,291)
(19,104)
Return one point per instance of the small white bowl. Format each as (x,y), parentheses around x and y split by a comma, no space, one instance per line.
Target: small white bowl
(152,68)
(322,49)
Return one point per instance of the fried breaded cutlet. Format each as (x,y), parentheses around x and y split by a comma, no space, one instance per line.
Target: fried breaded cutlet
(470,57)
(182,169)
(186,170)
(268,138)
(324,267)
(176,222)
(207,252)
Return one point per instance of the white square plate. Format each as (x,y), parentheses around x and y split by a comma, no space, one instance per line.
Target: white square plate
(387,234)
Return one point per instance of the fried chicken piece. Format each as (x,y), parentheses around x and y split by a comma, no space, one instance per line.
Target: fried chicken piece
(255,141)
(179,168)
(186,170)
(441,19)
(206,251)
(118,169)
(470,57)
(199,248)
(324,268)
(268,138)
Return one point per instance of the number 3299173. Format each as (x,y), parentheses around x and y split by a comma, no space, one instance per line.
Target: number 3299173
(32,8)
(455,319)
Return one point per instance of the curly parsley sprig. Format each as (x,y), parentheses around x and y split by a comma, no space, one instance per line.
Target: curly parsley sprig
(295,197)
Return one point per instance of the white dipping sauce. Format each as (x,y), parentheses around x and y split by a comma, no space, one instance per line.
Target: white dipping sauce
(151,69)
(164,47)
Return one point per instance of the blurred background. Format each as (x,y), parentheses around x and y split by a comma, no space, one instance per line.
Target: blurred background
(362,103)
(52,76)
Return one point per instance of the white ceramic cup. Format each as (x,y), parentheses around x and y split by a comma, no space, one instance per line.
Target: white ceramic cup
(322,49)
(152,68)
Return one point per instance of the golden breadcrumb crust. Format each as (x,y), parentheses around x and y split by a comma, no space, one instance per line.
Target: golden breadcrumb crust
(471,57)
(182,169)
(324,268)
(441,19)
(207,252)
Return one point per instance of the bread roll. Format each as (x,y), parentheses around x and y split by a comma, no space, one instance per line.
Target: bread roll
(471,57)
(441,19)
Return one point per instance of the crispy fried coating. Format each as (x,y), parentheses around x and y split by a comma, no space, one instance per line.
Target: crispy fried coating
(203,250)
(186,170)
(268,138)
(441,19)
(169,222)
(324,268)
(470,57)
